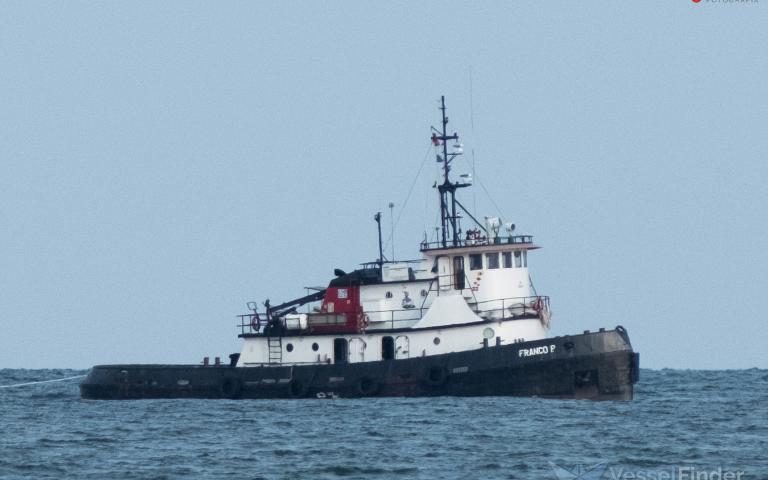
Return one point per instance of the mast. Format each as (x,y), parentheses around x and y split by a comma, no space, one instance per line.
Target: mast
(447,190)
(377,217)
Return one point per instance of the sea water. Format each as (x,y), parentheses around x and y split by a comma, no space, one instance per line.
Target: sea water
(703,425)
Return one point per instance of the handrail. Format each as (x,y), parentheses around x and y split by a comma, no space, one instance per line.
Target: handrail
(477,242)
(496,309)
(513,307)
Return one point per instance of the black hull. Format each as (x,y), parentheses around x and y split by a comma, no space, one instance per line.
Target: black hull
(599,366)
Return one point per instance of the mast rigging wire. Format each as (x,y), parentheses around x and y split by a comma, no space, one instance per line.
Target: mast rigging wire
(482,185)
(408,196)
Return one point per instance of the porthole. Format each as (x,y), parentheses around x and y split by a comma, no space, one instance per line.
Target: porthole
(388,295)
(315,347)
(488,333)
(436,341)
(289,347)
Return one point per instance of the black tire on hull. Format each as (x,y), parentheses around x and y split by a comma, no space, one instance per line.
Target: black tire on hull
(231,388)
(436,376)
(368,387)
(297,388)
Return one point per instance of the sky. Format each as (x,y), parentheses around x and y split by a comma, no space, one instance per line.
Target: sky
(163,163)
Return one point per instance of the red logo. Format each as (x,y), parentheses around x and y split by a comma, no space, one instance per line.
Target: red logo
(696,1)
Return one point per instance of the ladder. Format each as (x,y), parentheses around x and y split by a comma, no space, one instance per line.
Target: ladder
(275,345)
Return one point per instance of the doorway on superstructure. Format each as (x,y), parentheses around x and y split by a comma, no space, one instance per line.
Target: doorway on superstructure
(387,348)
(340,350)
(458,273)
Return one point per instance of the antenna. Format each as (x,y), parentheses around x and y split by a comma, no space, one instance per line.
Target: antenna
(392,230)
(472,124)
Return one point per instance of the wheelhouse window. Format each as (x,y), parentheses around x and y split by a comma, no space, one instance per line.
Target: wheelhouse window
(492,259)
(525,258)
(476,261)
(518,259)
(507,258)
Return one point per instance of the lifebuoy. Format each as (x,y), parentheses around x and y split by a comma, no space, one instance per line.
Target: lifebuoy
(537,304)
(255,323)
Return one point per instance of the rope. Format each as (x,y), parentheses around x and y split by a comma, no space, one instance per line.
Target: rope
(42,381)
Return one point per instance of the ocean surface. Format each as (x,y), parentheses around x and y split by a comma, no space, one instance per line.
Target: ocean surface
(703,425)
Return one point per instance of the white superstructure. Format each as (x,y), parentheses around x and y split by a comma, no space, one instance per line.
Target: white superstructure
(470,289)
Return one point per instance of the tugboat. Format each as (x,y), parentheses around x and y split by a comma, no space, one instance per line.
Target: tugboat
(462,320)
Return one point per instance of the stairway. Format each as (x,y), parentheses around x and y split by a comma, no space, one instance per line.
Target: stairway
(275,345)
